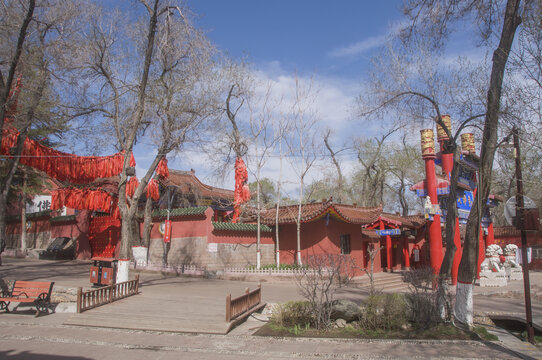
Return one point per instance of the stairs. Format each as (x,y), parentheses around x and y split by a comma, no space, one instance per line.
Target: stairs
(383,281)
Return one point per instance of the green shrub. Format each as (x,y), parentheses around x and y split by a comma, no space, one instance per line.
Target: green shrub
(384,312)
(484,334)
(292,314)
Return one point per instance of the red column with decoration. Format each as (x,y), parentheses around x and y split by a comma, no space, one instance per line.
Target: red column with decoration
(435,235)
(447,167)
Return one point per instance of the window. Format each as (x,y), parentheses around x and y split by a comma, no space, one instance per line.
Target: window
(537,252)
(345,244)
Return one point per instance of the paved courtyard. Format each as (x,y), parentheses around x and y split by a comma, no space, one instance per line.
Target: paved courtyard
(180,317)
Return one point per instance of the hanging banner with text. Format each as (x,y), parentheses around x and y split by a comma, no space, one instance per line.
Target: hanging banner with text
(167,231)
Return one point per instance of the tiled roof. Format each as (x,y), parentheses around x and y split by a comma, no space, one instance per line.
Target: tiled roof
(162,213)
(411,221)
(240,227)
(187,182)
(370,233)
(314,211)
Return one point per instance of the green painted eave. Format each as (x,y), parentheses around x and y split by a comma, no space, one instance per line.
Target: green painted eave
(66,218)
(30,216)
(240,227)
(162,213)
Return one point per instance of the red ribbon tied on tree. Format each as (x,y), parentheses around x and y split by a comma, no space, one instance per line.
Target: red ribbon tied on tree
(162,169)
(242,192)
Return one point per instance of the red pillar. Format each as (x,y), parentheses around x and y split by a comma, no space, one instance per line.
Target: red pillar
(447,167)
(481,251)
(458,253)
(435,234)
(490,239)
(388,247)
(406,255)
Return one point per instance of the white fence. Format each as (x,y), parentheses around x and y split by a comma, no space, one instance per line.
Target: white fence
(181,269)
(279,272)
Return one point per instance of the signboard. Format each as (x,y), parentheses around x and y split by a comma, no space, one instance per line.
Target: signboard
(39,203)
(440,191)
(465,202)
(386,232)
(212,247)
(167,231)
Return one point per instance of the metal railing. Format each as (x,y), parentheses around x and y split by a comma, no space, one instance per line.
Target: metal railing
(93,298)
(242,304)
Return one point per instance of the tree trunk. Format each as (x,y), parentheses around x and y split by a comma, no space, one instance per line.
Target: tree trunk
(147,222)
(298,225)
(23,214)
(469,260)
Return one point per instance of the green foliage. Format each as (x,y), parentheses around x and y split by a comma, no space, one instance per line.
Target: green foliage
(293,314)
(384,312)
(484,334)
(537,338)
(267,191)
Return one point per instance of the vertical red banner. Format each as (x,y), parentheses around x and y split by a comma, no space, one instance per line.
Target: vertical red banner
(167,231)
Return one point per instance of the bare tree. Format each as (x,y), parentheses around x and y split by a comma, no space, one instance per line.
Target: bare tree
(302,145)
(168,95)
(431,23)
(320,279)
(340,196)
(264,139)
(43,58)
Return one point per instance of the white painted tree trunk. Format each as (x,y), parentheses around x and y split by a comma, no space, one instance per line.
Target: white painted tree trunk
(258,259)
(463,308)
(123,271)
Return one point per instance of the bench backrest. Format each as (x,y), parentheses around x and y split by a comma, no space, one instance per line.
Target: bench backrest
(32,289)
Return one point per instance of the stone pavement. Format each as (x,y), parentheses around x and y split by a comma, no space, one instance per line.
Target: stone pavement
(149,324)
(46,337)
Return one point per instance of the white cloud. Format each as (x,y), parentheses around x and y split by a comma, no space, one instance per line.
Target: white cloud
(359,47)
(333,101)
(369,43)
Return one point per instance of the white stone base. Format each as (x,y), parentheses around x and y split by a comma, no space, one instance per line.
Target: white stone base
(514,274)
(463,309)
(123,271)
(140,255)
(490,278)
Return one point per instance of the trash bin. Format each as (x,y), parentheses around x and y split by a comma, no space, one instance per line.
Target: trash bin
(104,271)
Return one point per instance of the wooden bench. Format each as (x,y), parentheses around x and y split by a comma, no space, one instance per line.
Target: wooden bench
(36,293)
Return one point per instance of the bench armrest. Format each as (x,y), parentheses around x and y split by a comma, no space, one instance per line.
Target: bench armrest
(22,293)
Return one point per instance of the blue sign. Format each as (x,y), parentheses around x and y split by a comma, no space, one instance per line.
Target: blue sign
(388,232)
(465,202)
(440,191)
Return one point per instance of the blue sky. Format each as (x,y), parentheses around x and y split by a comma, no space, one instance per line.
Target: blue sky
(331,41)
(329,38)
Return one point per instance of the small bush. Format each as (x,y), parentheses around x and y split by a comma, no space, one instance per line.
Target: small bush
(384,312)
(292,314)
(422,299)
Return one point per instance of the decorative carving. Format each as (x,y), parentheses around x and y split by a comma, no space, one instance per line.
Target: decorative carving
(428,142)
(441,134)
(467,143)
(491,271)
(511,267)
